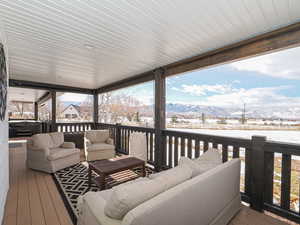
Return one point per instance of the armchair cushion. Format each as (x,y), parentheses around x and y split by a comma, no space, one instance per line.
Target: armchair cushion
(97,136)
(87,142)
(57,139)
(68,145)
(57,153)
(100,146)
(42,141)
(109,141)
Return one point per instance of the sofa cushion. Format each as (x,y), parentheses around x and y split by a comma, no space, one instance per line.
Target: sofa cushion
(208,160)
(57,139)
(42,141)
(100,146)
(194,166)
(96,202)
(125,197)
(211,156)
(174,176)
(57,153)
(97,136)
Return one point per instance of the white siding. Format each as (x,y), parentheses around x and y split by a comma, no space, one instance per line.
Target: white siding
(4,167)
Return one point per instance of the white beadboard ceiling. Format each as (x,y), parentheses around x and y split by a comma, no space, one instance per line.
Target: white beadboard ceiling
(46,39)
(24,94)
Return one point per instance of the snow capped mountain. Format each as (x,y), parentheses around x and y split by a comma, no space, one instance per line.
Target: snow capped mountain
(274,112)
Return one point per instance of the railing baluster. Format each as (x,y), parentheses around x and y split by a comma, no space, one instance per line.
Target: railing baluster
(236,151)
(197,147)
(151,147)
(269,176)
(176,151)
(215,145)
(206,145)
(170,152)
(247,171)
(182,148)
(285,181)
(189,148)
(225,153)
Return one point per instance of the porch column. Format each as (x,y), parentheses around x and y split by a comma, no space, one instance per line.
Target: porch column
(53,111)
(36,111)
(160,116)
(95,113)
(257,173)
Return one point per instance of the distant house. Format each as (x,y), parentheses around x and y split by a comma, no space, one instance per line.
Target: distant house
(71,112)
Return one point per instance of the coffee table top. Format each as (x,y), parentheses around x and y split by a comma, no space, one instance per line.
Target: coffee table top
(114,165)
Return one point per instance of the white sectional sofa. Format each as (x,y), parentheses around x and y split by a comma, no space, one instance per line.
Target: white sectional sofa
(211,198)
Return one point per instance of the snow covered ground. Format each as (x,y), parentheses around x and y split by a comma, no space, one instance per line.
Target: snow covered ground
(283,136)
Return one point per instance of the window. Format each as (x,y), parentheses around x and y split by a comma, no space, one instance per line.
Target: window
(130,106)
(72,107)
(21,110)
(45,110)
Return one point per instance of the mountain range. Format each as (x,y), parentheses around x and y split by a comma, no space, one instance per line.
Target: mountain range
(233,112)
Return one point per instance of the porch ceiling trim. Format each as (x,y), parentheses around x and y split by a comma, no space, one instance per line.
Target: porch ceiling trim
(50,87)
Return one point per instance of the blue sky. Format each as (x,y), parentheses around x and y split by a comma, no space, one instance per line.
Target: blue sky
(264,81)
(271,80)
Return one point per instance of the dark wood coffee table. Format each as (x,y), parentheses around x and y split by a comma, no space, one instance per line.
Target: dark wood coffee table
(107,167)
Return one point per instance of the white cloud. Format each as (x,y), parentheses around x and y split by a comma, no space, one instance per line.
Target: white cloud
(202,90)
(254,97)
(283,64)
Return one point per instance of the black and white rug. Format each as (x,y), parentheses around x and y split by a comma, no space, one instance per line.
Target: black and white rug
(73,182)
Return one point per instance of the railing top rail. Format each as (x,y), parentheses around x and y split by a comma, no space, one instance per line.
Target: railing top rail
(146,129)
(283,147)
(73,123)
(209,137)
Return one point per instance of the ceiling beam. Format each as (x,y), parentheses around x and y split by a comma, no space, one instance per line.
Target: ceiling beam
(138,79)
(44,98)
(49,87)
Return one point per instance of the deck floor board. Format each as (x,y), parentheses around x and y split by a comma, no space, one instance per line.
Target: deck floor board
(33,199)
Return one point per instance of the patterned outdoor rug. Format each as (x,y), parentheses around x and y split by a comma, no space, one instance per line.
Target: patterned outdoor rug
(73,182)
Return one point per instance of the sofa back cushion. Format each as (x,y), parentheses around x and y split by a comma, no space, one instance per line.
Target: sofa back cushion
(196,201)
(57,139)
(125,197)
(207,161)
(42,141)
(97,136)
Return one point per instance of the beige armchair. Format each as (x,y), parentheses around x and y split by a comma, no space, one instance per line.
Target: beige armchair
(49,152)
(98,145)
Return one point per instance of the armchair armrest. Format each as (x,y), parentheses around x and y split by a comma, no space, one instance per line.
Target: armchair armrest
(87,142)
(109,141)
(46,151)
(31,147)
(68,145)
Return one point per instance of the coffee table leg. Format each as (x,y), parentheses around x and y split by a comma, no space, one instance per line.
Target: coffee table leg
(90,179)
(143,170)
(102,180)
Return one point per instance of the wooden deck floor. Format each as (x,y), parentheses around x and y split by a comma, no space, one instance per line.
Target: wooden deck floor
(34,200)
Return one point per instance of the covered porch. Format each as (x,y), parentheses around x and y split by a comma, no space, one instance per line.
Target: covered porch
(94,48)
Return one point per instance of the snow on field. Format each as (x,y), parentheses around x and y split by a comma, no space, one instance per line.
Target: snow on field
(284,136)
